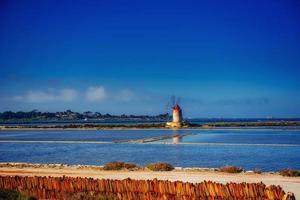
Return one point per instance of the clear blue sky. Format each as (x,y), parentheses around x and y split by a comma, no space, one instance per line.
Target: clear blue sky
(223,58)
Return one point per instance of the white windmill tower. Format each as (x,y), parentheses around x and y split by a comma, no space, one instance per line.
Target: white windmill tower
(176,113)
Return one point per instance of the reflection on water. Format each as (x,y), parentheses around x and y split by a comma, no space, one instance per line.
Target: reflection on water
(176,137)
(86,135)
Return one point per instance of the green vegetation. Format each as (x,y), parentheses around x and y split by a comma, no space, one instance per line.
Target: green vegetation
(289,172)
(6,194)
(90,196)
(118,165)
(160,166)
(231,169)
(95,126)
(70,115)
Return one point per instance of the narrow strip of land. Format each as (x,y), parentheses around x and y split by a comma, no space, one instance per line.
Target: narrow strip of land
(146,141)
(162,125)
(152,139)
(55,141)
(228,144)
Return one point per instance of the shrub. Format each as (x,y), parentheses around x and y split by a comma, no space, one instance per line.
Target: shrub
(130,166)
(231,169)
(117,165)
(14,195)
(160,167)
(289,172)
(89,196)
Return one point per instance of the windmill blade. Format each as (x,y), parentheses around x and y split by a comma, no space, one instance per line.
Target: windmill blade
(178,100)
(167,106)
(173,100)
(170,104)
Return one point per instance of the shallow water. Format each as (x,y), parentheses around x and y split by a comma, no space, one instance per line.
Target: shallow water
(204,148)
(245,136)
(82,135)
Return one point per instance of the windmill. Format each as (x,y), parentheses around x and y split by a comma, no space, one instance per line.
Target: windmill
(174,105)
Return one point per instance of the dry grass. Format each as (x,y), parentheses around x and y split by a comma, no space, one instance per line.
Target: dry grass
(160,167)
(130,166)
(231,169)
(118,165)
(289,172)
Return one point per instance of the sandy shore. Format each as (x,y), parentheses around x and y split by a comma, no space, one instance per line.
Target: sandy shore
(289,184)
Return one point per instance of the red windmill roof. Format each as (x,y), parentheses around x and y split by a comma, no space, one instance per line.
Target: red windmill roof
(177,107)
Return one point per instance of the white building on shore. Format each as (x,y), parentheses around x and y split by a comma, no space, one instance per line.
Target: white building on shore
(177,117)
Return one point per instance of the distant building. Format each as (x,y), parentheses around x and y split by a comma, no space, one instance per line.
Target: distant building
(177,117)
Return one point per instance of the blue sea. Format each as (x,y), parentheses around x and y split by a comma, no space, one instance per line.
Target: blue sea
(266,149)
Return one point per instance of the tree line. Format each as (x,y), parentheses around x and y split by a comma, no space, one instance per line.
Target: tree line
(68,114)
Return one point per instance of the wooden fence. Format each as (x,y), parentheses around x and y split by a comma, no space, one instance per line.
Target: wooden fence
(67,187)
